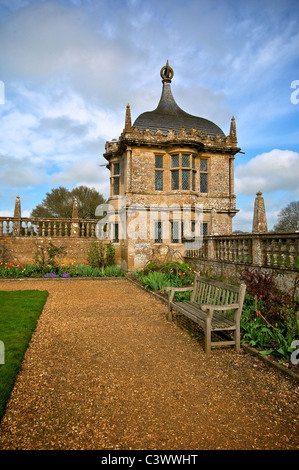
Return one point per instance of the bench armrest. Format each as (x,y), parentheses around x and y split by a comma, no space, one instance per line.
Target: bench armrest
(176,289)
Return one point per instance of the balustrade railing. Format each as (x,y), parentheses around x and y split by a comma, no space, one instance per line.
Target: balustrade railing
(31,227)
(279,250)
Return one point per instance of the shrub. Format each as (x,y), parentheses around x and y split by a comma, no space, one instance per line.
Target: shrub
(46,256)
(270,318)
(100,255)
(261,286)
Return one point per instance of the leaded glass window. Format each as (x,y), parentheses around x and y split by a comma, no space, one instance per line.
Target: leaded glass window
(115,179)
(116,237)
(159,172)
(175,178)
(203,164)
(175,161)
(203,175)
(203,182)
(158,232)
(186,161)
(158,161)
(175,236)
(182,166)
(159,180)
(185,179)
(204,229)
(115,186)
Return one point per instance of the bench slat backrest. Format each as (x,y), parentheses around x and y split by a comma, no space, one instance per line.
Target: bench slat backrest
(210,292)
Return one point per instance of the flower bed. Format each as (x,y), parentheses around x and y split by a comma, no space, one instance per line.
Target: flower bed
(21,270)
(269,321)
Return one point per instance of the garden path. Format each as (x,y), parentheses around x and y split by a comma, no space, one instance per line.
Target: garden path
(105,370)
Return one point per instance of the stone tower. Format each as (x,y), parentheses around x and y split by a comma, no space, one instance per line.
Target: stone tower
(170,159)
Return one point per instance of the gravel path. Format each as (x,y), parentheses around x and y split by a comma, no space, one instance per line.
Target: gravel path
(106,370)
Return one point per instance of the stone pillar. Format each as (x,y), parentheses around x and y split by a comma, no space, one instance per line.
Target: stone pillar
(259,216)
(213,223)
(259,226)
(75,229)
(213,231)
(17,224)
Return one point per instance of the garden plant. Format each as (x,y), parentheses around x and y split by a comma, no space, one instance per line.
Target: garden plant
(48,263)
(270,318)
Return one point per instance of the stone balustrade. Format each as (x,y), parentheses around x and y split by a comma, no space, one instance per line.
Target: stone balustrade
(31,227)
(272,250)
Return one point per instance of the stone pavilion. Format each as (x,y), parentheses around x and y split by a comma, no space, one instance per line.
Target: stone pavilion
(169,159)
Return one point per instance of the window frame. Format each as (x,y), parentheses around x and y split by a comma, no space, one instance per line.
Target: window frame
(158,231)
(115,183)
(206,173)
(172,239)
(159,171)
(115,232)
(180,169)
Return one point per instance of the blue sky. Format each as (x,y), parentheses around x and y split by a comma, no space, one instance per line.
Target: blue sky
(70,67)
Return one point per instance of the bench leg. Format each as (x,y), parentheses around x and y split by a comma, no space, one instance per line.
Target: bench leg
(208,337)
(237,339)
(169,316)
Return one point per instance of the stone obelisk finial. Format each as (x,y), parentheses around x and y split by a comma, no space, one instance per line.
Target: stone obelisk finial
(17,217)
(17,212)
(233,130)
(259,216)
(128,122)
(75,222)
(75,210)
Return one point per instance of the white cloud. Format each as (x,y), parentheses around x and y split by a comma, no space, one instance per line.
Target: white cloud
(273,171)
(15,174)
(71,66)
(87,170)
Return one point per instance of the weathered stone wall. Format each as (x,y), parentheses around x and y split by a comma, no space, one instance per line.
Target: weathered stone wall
(21,249)
(285,278)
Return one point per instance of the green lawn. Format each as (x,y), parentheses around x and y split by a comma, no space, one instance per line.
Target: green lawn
(19,313)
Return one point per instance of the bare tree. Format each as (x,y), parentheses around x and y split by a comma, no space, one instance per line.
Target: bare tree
(288,218)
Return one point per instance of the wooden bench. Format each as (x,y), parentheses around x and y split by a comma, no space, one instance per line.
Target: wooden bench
(213,305)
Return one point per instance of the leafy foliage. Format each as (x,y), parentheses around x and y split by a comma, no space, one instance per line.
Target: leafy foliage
(270,339)
(173,273)
(262,285)
(46,256)
(100,255)
(59,203)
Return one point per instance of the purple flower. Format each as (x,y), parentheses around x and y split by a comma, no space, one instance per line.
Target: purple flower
(65,275)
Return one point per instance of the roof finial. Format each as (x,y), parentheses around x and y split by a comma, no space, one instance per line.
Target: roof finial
(128,122)
(166,73)
(233,130)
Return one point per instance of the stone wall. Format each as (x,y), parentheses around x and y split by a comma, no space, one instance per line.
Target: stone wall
(285,279)
(21,249)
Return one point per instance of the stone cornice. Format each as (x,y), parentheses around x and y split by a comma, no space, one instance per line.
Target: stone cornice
(182,138)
